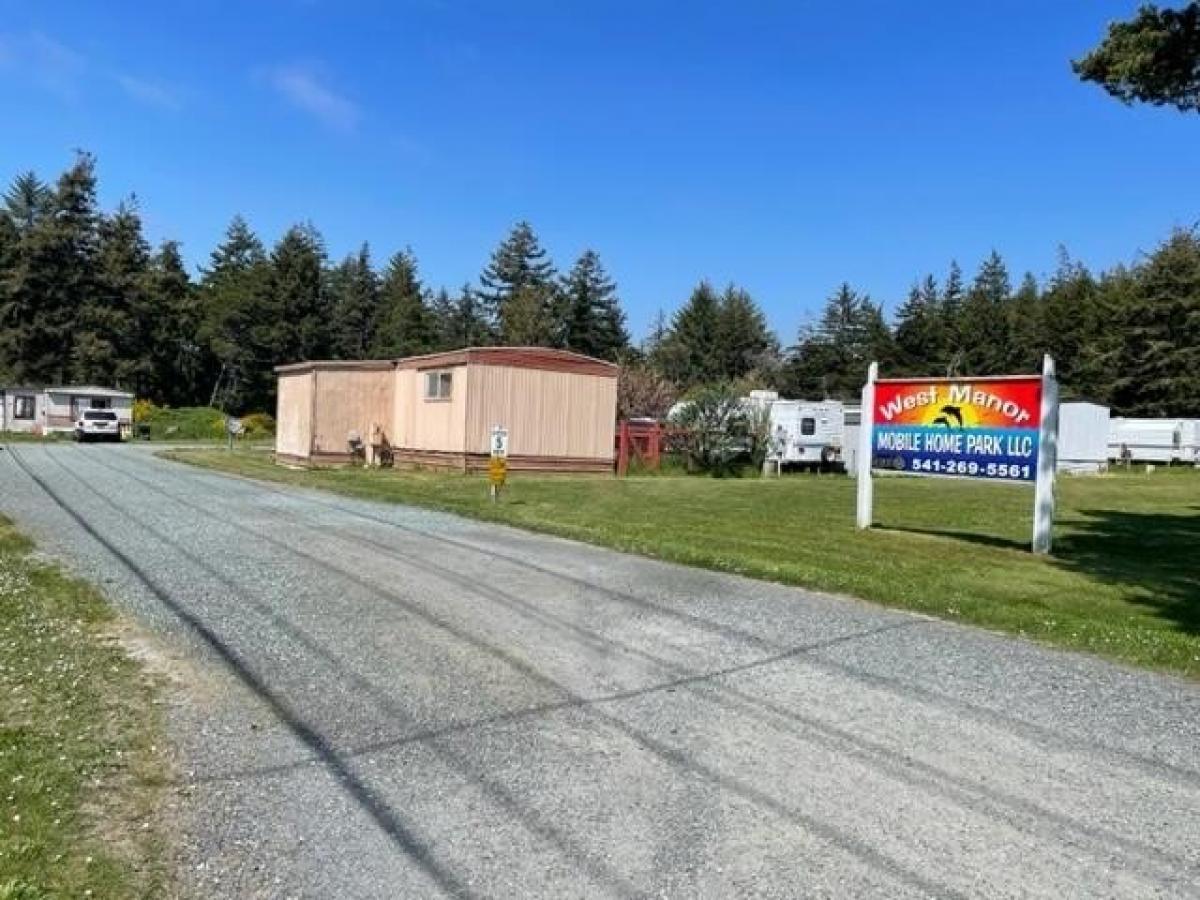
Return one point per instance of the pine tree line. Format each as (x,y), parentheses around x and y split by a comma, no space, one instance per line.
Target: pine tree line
(84,298)
(1128,338)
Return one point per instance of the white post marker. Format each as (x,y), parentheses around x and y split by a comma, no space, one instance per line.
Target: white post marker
(499,442)
(1043,490)
(498,464)
(866,490)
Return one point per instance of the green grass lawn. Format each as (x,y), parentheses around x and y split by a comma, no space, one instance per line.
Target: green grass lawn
(81,752)
(1124,581)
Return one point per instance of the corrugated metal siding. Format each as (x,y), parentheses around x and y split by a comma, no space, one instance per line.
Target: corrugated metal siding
(430,424)
(293,415)
(557,414)
(1082,436)
(350,400)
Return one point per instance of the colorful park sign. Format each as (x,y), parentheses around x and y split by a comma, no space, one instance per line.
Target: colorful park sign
(1001,428)
(976,428)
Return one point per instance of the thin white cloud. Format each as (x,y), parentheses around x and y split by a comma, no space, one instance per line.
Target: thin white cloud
(51,65)
(37,59)
(305,89)
(150,93)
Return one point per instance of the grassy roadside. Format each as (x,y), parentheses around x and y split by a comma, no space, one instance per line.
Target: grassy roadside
(26,437)
(81,752)
(1124,582)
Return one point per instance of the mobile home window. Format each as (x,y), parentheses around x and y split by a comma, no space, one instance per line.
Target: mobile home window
(23,407)
(99,403)
(438,385)
(808,426)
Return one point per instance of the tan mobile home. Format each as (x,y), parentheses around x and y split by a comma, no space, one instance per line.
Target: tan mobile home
(559,408)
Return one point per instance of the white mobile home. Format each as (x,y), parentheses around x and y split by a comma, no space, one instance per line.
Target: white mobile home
(22,409)
(1152,440)
(1189,446)
(1083,436)
(56,409)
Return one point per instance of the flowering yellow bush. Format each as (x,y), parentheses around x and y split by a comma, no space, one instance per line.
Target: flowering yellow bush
(259,424)
(143,410)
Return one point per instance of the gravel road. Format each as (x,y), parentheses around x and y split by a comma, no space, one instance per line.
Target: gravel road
(379,701)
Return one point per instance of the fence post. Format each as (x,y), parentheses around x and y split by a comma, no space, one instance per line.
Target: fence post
(623,449)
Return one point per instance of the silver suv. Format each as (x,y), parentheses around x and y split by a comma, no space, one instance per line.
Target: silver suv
(98,424)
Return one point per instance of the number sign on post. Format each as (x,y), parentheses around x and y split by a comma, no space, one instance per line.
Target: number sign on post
(1003,428)
(498,464)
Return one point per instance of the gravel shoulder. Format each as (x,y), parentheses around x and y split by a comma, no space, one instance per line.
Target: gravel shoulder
(384,701)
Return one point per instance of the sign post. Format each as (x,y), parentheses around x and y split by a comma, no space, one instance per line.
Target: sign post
(866,490)
(233,428)
(1043,490)
(1002,428)
(498,464)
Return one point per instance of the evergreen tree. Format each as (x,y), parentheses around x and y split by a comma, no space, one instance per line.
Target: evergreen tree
(745,342)
(1026,319)
(239,318)
(656,335)
(1160,371)
(953,297)
(441,310)
(297,292)
(407,323)
(1152,58)
(466,323)
(528,318)
(1102,359)
(983,324)
(27,201)
(920,337)
(182,364)
(594,321)
(354,299)
(114,327)
(53,275)
(519,265)
(690,354)
(10,241)
(878,341)
(1069,317)
(831,358)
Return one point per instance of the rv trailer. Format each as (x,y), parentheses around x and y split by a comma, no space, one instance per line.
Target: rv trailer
(810,433)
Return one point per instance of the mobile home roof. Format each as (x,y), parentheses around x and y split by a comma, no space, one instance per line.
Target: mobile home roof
(545,358)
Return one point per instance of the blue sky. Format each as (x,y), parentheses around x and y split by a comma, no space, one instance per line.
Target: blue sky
(783,146)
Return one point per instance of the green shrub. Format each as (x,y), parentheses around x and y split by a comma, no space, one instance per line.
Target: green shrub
(717,431)
(187,423)
(258,425)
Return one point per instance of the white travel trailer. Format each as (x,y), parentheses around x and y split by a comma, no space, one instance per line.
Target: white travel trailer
(1083,435)
(808,432)
(1153,440)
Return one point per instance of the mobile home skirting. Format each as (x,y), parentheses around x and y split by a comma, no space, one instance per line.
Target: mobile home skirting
(478,462)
